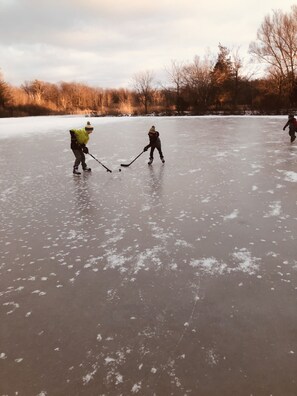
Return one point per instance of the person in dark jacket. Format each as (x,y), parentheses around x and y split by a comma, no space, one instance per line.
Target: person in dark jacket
(292,123)
(79,139)
(155,143)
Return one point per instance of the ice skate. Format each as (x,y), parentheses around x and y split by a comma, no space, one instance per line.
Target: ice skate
(76,172)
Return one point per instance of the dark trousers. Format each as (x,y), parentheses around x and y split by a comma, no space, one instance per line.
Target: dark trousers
(79,158)
(292,134)
(158,147)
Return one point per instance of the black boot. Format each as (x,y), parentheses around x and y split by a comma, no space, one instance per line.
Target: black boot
(75,171)
(86,169)
(150,161)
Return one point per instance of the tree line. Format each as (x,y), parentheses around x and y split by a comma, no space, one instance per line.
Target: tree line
(212,84)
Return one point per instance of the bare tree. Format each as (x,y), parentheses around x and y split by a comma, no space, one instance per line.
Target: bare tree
(198,82)
(237,63)
(143,84)
(35,90)
(276,45)
(176,77)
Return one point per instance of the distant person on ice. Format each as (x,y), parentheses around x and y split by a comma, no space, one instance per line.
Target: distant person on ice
(292,123)
(155,142)
(79,139)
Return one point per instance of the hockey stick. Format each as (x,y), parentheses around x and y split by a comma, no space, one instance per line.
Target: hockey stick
(133,160)
(108,170)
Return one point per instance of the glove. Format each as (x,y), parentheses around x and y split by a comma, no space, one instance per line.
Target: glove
(145,148)
(85,150)
(284,128)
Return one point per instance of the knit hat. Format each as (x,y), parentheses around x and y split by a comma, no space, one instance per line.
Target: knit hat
(152,129)
(89,127)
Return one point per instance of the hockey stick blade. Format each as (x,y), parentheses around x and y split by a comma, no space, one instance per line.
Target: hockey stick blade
(107,169)
(133,160)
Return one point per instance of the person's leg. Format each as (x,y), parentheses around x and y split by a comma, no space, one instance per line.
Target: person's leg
(160,152)
(78,159)
(83,163)
(151,155)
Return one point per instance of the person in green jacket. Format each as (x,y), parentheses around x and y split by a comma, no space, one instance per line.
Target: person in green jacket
(79,139)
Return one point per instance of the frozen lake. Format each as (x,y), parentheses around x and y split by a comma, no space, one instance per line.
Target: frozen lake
(175,279)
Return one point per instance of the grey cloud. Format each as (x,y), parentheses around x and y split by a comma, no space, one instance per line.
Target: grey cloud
(47,22)
(52,39)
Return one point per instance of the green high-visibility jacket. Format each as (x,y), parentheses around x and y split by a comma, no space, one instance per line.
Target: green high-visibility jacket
(81,135)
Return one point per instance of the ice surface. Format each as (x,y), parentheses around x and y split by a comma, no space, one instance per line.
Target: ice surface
(167,279)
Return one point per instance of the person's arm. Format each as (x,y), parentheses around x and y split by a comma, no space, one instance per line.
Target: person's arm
(73,136)
(85,148)
(286,125)
(75,144)
(149,145)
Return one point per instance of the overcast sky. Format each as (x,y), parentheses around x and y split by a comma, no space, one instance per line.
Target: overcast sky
(105,42)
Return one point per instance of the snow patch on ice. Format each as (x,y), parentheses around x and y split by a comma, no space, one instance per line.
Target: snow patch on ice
(181,242)
(149,256)
(158,232)
(119,233)
(275,209)
(289,175)
(116,261)
(212,357)
(244,260)
(88,377)
(205,200)
(119,379)
(136,387)
(209,265)
(145,208)
(232,215)
(109,360)
(13,306)
(247,263)
(93,261)
(72,234)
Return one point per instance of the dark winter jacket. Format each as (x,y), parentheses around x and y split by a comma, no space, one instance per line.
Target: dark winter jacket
(292,123)
(154,139)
